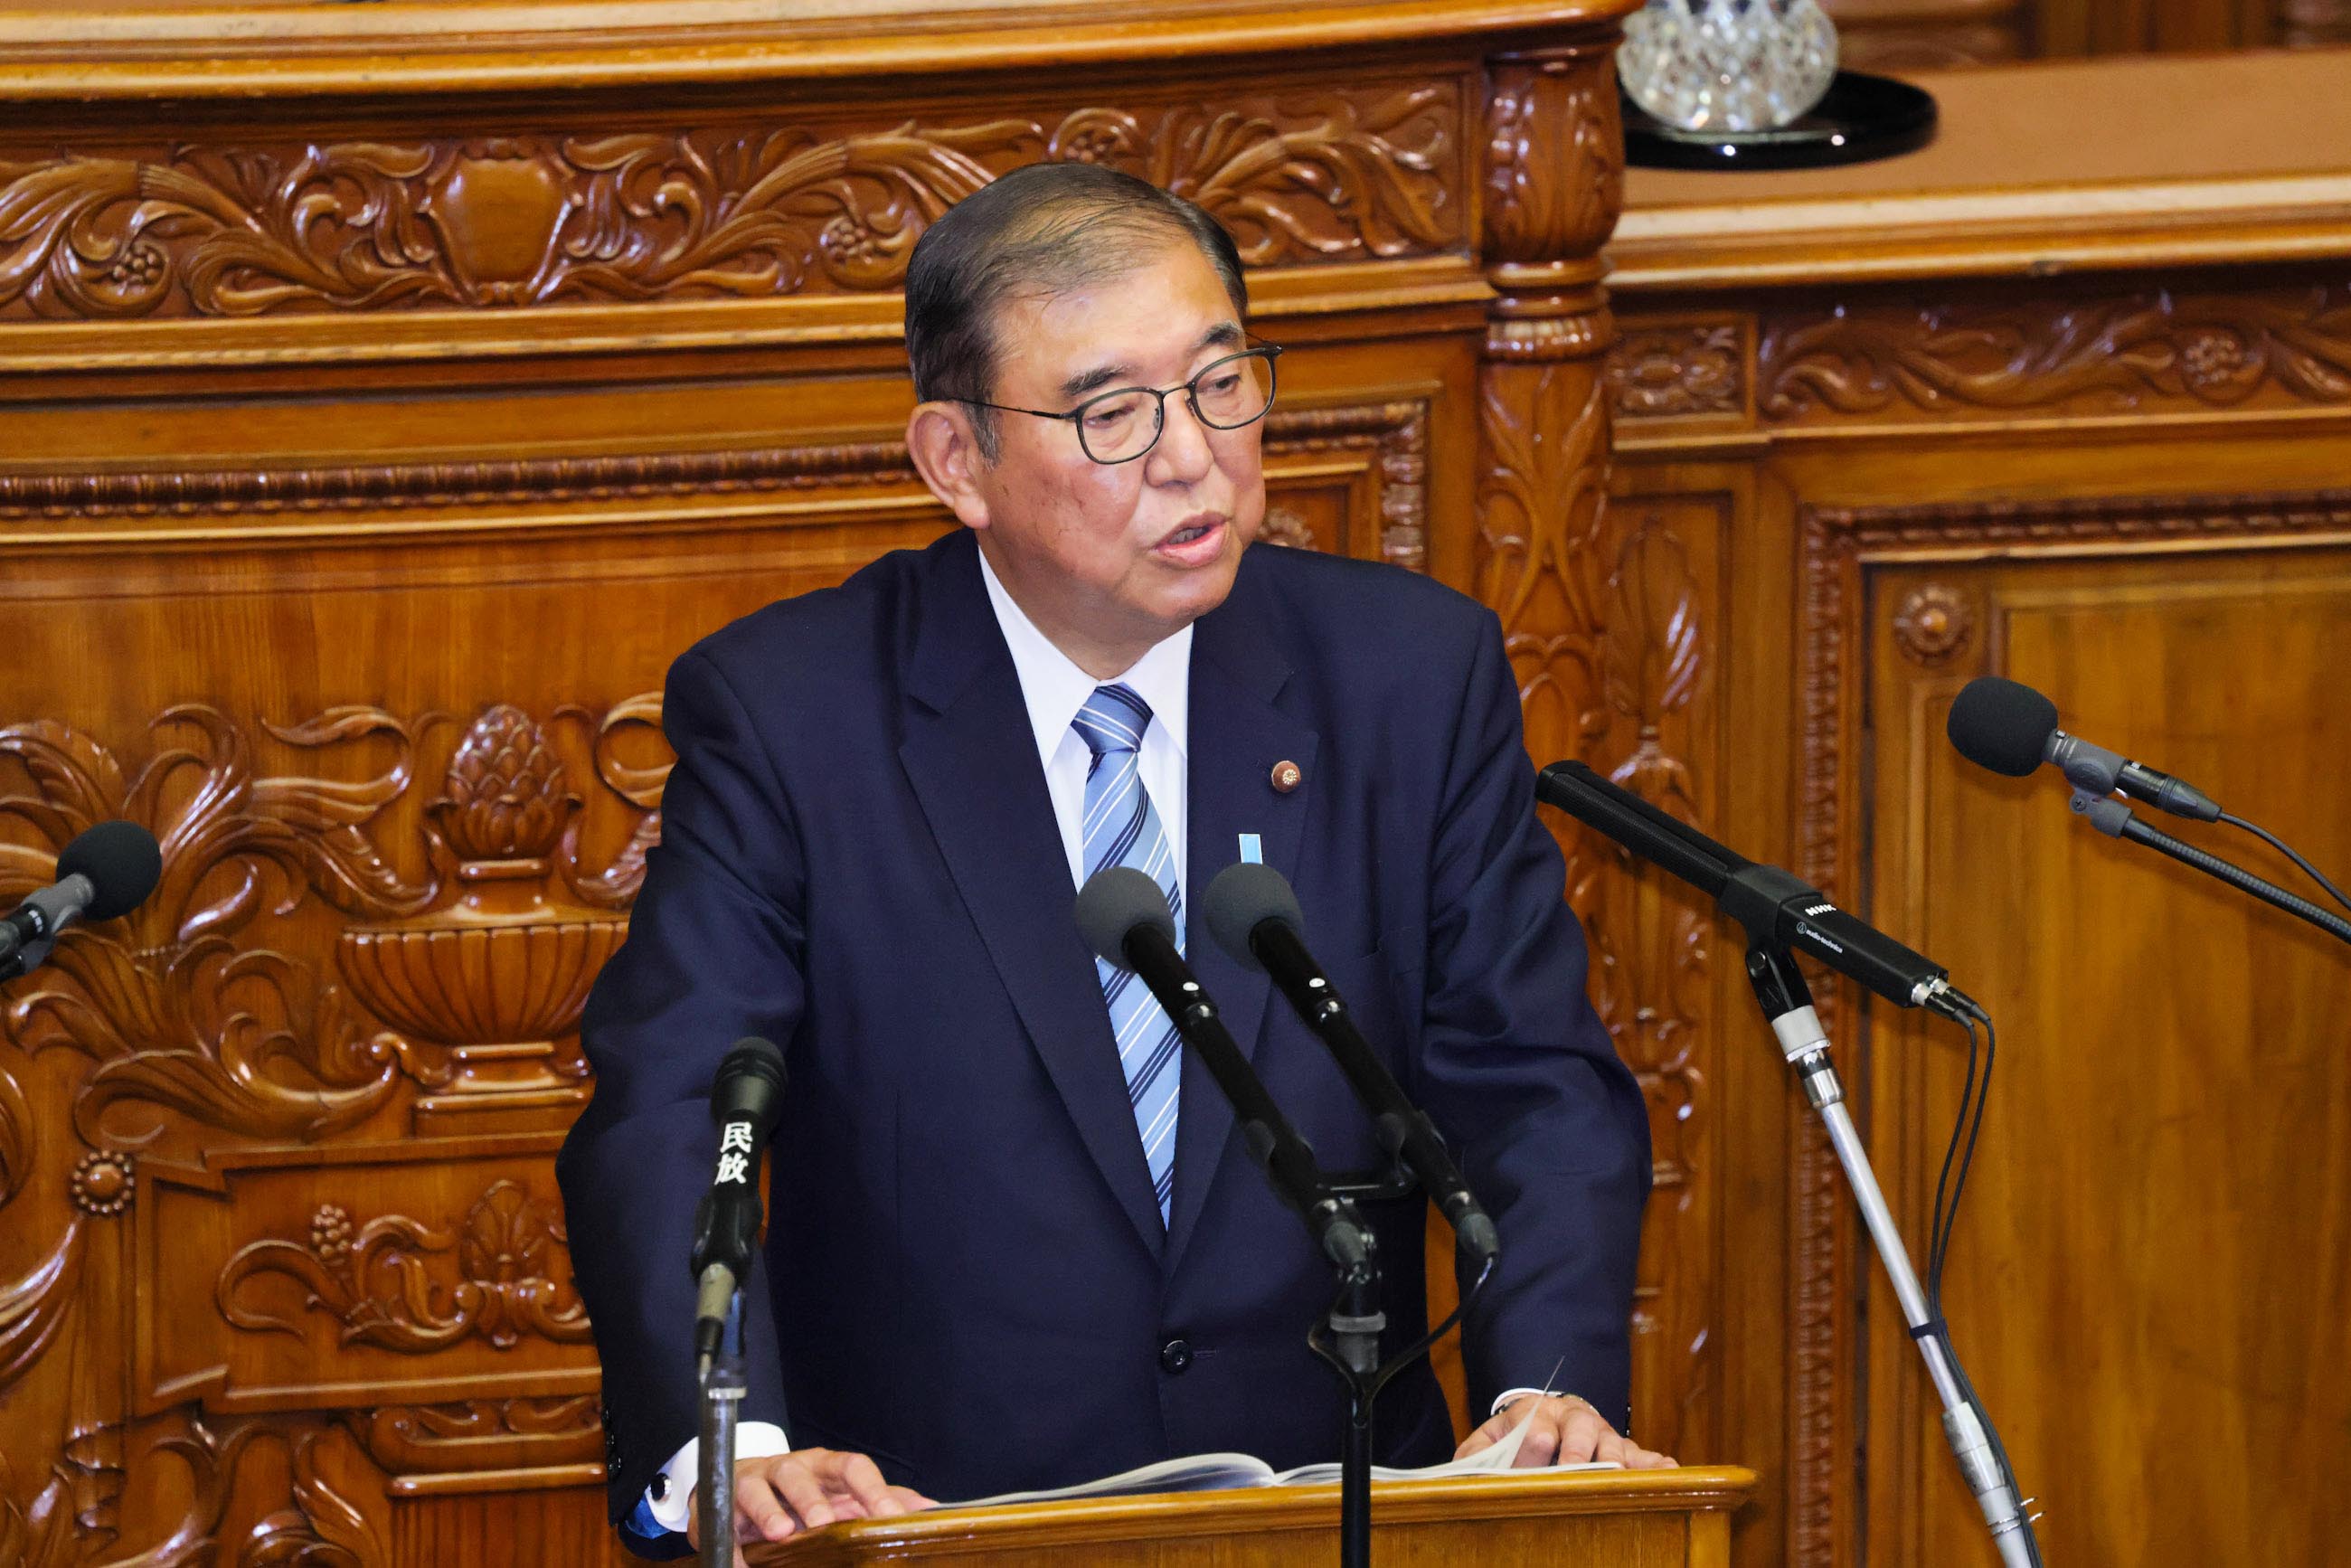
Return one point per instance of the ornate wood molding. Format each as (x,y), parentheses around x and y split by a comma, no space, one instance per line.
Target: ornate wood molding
(1660,371)
(1839,546)
(375,1279)
(1397,431)
(483,223)
(2143,351)
(248,1040)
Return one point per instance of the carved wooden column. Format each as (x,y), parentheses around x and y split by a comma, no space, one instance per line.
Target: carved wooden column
(1604,617)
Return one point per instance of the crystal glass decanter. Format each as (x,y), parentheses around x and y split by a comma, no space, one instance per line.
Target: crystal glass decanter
(1728,65)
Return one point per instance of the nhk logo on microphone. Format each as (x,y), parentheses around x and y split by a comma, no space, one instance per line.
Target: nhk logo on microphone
(734,1153)
(1819,909)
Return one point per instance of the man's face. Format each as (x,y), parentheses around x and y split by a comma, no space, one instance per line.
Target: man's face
(1109,558)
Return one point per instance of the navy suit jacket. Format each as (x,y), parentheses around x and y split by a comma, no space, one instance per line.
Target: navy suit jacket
(965,1275)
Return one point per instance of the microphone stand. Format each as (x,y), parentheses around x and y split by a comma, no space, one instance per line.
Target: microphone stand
(1787,1003)
(724,1383)
(2116,820)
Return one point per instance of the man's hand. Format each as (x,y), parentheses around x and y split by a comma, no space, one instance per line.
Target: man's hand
(783,1494)
(1565,1431)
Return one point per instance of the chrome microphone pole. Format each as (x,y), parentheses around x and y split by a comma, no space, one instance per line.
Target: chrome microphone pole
(724,1383)
(1787,1002)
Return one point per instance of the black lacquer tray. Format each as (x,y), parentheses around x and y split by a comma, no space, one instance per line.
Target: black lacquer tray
(1861,117)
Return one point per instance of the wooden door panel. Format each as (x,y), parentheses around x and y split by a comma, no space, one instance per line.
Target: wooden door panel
(2150,1279)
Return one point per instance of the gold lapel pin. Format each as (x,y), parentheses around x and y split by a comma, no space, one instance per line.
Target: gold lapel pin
(1285,776)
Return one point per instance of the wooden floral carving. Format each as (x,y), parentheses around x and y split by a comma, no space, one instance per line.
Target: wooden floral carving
(496,222)
(2115,353)
(1663,371)
(376,1278)
(172,1013)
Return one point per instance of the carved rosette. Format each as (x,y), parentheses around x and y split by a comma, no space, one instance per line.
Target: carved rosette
(1673,371)
(103,1183)
(1934,625)
(495,982)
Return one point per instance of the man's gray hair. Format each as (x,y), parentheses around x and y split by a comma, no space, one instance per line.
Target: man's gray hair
(1040,230)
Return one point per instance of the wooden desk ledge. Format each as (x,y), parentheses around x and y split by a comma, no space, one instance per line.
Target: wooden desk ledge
(1650,1517)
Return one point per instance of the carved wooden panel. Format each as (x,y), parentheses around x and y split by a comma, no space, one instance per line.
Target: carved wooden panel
(834,204)
(1994,356)
(2152,1021)
(293,1117)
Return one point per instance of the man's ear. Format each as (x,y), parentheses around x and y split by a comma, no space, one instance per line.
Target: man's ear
(946,450)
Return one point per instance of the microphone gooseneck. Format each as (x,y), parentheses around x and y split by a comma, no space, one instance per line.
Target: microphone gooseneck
(1254,915)
(1124,919)
(1778,908)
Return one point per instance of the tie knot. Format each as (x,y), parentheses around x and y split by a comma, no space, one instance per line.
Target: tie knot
(1114,719)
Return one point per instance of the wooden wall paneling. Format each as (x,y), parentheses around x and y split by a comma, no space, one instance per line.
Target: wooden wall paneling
(1974,426)
(2172,1091)
(371,450)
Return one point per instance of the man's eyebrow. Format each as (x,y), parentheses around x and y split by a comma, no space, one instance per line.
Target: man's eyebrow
(1097,378)
(1224,334)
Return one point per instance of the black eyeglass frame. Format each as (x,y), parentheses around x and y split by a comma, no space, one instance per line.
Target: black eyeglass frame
(1269,352)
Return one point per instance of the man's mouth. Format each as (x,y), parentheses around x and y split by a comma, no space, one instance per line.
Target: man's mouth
(1185,540)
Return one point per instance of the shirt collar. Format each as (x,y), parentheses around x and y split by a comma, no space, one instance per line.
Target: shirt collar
(1055,688)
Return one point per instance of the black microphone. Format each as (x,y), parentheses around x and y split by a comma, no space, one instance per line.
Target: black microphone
(1124,918)
(2010,728)
(108,871)
(1253,914)
(1778,908)
(745,1101)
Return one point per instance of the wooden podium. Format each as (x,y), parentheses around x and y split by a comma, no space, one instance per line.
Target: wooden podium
(1593,1519)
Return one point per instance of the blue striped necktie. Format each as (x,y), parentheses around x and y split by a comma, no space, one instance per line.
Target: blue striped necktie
(1121,829)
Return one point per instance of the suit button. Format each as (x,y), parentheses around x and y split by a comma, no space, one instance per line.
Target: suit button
(1174,1355)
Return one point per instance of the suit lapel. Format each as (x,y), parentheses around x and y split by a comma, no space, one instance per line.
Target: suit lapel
(970,755)
(1237,735)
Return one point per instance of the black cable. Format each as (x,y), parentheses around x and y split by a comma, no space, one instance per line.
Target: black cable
(2288,851)
(1415,1351)
(1938,1231)
(1945,1222)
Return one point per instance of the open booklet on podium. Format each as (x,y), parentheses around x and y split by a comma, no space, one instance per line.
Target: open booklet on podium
(1225,1472)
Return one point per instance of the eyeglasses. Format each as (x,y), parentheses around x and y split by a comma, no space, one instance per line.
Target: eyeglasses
(1122,425)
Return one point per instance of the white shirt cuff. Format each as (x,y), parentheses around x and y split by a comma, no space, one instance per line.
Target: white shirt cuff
(1509,1395)
(668,1497)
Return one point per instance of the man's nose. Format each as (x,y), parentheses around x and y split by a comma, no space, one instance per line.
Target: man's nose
(1181,456)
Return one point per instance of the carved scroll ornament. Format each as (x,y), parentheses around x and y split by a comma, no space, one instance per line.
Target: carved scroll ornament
(229,231)
(2113,354)
(375,1279)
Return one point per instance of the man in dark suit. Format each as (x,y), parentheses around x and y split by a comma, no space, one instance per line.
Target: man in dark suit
(1013,1241)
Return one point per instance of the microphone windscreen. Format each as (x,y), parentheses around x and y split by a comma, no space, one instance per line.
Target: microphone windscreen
(1242,897)
(122,862)
(2002,724)
(751,1082)
(1115,901)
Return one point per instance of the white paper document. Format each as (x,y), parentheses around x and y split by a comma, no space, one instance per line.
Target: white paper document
(1220,1472)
